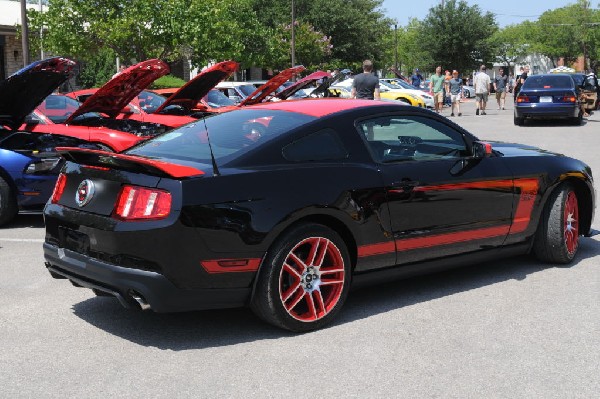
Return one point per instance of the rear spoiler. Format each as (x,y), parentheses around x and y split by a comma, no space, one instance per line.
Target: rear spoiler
(131,163)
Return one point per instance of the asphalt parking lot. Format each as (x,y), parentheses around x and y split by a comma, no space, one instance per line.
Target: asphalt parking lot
(510,328)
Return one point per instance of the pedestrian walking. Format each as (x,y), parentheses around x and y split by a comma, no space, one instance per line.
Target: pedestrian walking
(481,83)
(366,85)
(501,84)
(416,79)
(454,86)
(447,99)
(524,71)
(436,85)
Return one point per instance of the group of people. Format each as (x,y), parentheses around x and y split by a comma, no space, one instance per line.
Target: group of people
(450,87)
(446,86)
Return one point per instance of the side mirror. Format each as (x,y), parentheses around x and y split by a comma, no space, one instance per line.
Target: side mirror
(481,149)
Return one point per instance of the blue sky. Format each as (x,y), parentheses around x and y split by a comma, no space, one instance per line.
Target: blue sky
(507,11)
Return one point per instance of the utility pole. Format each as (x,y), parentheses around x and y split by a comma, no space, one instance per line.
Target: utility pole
(24,33)
(41,34)
(293,35)
(396,46)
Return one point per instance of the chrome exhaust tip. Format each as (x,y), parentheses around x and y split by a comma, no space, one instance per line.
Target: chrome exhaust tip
(141,301)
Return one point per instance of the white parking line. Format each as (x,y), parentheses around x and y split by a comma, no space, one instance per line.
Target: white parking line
(38,240)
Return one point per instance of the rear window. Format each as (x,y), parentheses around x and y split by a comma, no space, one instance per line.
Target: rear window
(231,134)
(549,82)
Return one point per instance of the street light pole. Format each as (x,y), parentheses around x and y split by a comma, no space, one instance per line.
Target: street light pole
(24,33)
(293,35)
(396,46)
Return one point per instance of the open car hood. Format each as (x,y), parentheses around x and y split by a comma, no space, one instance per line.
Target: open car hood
(190,93)
(24,90)
(111,98)
(302,83)
(272,84)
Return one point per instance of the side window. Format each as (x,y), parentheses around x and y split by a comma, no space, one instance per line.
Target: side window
(323,145)
(411,138)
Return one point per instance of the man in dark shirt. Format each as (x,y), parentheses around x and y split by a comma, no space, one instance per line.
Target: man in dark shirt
(366,85)
(416,79)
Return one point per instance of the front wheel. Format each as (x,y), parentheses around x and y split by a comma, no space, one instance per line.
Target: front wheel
(304,279)
(557,238)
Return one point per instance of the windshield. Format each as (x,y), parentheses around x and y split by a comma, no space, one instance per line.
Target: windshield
(58,108)
(548,82)
(216,99)
(246,90)
(149,101)
(231,135)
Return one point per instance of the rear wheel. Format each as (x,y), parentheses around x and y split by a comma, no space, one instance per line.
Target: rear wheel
(304,279)
(8,203)
(519,121)
(557,238)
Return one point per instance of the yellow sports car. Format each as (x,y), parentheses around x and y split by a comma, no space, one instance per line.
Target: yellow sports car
(344,92)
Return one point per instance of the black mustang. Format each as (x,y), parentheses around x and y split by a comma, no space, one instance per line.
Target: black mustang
(281,206)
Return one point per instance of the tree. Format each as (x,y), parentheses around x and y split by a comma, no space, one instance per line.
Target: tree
(354,26)
(456,35)
(512,42)
(311,48)
(573,33)
(137,30)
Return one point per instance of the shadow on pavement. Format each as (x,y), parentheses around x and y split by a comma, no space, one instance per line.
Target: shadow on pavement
(25,220)
(215,328)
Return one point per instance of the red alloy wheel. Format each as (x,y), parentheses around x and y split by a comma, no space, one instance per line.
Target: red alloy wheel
(571,223)
(311,280)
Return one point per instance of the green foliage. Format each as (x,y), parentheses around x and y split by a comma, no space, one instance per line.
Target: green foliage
(512,42)
(572,32)
(167,82)
(97,70)
(310,49)
(456,35)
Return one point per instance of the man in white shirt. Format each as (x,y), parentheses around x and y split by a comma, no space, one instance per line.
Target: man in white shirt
(481,84)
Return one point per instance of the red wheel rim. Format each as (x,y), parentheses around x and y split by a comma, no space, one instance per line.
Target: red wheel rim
(312,279)
(571,223)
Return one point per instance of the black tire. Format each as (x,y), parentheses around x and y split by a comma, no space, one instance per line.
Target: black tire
(557,236)
(519,121)
(578,121)
(8,203)
(296,295)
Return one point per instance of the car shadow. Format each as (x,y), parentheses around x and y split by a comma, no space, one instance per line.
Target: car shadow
(553,122)
(225,327)
(25,220)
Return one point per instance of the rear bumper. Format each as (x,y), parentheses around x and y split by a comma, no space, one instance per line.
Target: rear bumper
(125,284)
(547,111)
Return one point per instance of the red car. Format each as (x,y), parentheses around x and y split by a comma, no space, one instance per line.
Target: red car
(124,97)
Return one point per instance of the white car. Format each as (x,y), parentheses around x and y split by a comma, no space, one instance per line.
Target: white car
(397,84)
(236,91)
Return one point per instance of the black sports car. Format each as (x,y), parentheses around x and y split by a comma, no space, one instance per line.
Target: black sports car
(281,206)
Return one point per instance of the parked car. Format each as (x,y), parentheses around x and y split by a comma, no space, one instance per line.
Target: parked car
(330,193)
(29,162)
(401,84)
(588,88)
(548,96)
(344,90)
(468,91)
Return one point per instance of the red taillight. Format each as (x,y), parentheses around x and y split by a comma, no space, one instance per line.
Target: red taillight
(523,99)
(61,182)
(137,203)
(569,99)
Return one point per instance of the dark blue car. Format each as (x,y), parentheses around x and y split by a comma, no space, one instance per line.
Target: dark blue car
(548,96)
(29,164)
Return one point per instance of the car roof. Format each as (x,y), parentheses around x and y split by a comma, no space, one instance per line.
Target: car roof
(319,107)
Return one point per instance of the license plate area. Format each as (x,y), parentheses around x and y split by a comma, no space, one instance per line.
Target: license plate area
(546,99)
(73,240)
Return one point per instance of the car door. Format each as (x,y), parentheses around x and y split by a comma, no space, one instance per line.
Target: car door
(442,200)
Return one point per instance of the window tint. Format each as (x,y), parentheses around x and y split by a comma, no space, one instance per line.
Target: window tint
(411,138)
(149,101)
(548,82)
(231,135)
(320,146)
